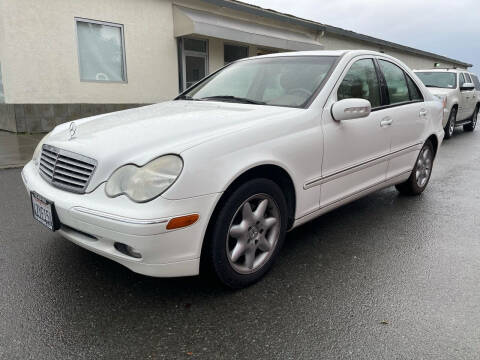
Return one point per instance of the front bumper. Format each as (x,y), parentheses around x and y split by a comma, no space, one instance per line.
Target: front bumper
(96,222)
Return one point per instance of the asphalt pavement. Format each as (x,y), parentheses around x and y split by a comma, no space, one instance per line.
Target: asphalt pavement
(385,277)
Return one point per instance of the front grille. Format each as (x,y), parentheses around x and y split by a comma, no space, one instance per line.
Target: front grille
(66,170)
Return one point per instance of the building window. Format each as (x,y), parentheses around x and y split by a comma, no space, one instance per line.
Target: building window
(234,52)
(2,94)
(101,51)
(195,61)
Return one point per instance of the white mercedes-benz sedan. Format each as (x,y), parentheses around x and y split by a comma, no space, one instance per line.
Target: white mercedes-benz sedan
(214,179)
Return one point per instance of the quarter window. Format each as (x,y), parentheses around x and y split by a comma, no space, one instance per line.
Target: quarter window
(415,94)
(234,52)
(361,81)
(101,52)
(396,82)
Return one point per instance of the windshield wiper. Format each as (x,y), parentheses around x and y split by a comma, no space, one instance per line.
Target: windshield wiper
(187,97)
(432,86)
(234,98)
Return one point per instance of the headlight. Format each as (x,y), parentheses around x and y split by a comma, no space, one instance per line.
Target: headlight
(38,150)
(142,184)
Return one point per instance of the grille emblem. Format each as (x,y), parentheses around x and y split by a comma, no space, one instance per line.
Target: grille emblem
(72,130)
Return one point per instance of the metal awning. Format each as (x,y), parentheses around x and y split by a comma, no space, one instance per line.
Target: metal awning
(194,22)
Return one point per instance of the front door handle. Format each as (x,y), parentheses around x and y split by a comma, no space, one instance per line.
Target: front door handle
(387,121)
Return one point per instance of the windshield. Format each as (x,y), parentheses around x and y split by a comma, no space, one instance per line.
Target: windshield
(447,80)
(282,81)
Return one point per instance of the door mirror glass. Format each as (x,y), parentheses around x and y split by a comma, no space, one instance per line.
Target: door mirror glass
(349,109)
(467,86)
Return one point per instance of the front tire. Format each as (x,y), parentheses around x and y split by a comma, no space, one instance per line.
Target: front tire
(420,176)
(471,126)
(247,233)
(450,127)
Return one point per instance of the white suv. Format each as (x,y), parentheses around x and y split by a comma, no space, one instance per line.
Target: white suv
(459,93)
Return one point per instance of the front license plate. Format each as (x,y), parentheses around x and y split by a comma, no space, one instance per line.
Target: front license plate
(43,211)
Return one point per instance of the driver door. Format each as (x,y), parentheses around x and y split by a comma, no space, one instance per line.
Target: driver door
(355,151)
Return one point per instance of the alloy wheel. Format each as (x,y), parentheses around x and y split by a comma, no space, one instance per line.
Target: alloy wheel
(253,234)
(451,123)
(424,167)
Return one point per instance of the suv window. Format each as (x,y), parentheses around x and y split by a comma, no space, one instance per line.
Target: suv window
(415,94)
(461,80)
(396,82)
(476,82)
(361,81)
(467,78)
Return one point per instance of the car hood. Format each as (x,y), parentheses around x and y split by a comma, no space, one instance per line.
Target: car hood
(142,134)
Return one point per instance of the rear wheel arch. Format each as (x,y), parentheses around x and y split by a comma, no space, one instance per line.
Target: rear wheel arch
(435,142)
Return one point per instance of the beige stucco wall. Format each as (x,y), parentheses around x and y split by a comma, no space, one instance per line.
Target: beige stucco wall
(40,51)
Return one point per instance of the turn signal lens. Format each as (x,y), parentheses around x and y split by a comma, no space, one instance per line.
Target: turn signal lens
(182,221)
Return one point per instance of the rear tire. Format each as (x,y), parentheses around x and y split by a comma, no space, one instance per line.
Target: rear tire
(420,176)
(450,127)
(247,234)
(470,127)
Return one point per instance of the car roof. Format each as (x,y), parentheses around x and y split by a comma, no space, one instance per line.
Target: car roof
(322,53)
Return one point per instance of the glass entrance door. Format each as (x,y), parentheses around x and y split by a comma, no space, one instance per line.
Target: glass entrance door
(194,61)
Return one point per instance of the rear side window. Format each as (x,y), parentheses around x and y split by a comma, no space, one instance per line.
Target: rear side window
(396,82)
(476,82)
(361,81)
(415,94)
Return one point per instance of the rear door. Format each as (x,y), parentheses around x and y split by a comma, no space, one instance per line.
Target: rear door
(409,117)
(355,151)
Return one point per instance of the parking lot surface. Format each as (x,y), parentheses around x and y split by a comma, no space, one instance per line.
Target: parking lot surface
(385,277)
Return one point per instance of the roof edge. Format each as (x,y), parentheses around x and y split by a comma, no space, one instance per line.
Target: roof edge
(310,24)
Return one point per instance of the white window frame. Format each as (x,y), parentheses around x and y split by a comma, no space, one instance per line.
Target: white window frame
(186,53)
(122,34)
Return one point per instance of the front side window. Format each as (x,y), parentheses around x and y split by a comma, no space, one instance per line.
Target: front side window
(2,94)
(101,51)
(281,81)
(467,78)
(232,53)
(438,79)
(476,82)
(396,82)
(361,82)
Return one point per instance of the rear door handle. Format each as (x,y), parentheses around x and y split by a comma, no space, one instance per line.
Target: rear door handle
(423,113)
(387,121)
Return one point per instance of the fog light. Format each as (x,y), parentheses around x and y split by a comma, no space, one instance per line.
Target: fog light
(127,250)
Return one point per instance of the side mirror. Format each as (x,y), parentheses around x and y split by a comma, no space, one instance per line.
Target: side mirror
(467,87)
(349,109)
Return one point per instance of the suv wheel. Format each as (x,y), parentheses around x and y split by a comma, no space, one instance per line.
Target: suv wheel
(247,233)
(450,127)
(471,126)
(420,176)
